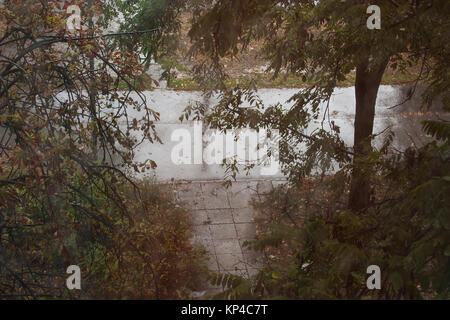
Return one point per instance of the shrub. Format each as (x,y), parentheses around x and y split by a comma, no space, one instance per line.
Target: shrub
(142,253)
(316,249)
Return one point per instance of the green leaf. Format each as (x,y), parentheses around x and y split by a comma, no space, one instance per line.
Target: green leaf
(396,279)
(447,251)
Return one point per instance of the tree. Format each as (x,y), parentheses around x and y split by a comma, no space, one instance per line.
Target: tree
(69,117)
(320,249)
(323,42)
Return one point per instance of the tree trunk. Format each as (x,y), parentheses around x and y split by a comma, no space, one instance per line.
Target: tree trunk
(366,90)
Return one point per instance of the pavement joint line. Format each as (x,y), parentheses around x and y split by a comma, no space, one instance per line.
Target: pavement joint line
(222,232)
(214,248)
(237,235)
(222,223)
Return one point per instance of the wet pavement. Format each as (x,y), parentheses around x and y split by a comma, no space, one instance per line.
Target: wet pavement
(403,120)
(222,220)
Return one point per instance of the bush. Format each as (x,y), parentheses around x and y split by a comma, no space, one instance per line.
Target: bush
(154,259)
(142,252)
(316,249)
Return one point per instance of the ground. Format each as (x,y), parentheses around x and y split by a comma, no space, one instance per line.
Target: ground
(250,65)
(223,219)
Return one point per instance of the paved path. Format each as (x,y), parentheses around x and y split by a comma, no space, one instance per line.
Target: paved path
(404,120)
(223,219)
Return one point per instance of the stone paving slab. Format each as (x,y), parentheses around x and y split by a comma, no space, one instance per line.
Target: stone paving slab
(223,231)
(219,216)
(229,246)
(243,215)
(199,217)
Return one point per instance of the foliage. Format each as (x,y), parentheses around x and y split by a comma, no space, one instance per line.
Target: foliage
(321,42)
(316,249)
(162,16)
(146,255)
(322,250)
(67,138)
(154,258)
